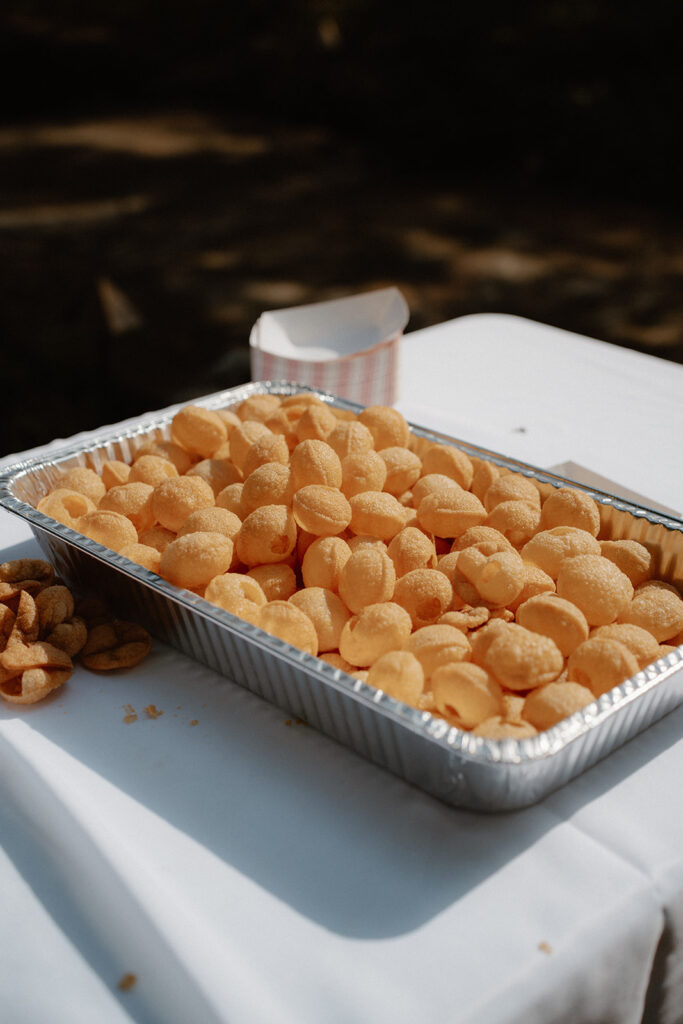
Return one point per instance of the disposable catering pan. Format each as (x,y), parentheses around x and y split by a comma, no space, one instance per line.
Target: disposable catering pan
(457,767)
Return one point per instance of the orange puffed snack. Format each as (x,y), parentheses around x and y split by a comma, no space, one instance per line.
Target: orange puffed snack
(175,498)
(242,438)
(639,641)
(484,475)
(425,594)
(218,473)
(548,705)
(322,511)
(315,462)
(521,659)
(364,471)
(596,586)
(403,469)
(256,407)
(277,580)
(270,484)
(601,663)
(378,628)
(450,513)
(438,645)
(367,577)
(466,693)
(115,472)
(376,514)
(196,558)
(323,562)
(315,422)
(516,520)
(237,593)
(511,487)
(132,500)
(212,520)
(350,438)
(549,548)
(449,461)
(387,426)
(569,506)
(411,549)
(85,481)
(289,623)
(268,534)
(498,578)
(144,555)
(166,450)
(269,448)
(433,483)
(111,529)
(327,612)
(148,469)
(484,538)
(399,674)
(66,506)
(555,617)
(631,557)
(656,607)
(231,498)
(198,431)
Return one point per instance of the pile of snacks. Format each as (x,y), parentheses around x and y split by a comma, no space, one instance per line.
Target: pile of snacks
(461,588)
(43,628)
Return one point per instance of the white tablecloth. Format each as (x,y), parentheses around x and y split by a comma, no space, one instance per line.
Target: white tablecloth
(243,868)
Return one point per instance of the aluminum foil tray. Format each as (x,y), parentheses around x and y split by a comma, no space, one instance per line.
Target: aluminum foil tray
(455,766)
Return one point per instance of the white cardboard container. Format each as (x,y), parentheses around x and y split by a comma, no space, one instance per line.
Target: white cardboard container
(348,347)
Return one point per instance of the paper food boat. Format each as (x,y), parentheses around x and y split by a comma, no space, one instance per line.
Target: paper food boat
(348,346)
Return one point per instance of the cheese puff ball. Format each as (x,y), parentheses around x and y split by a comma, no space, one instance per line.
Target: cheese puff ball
(269,448)
(387,426)
(157,537)
(403,469)
(555,617)
(323,562)
(411,549)
(656,608)
(277,580)
(549,548)
(315,423)
(284,421)
(270,484)
(362,472)
(437,645)
(376,514)
(600,663)
(466,619)
(513,704)
(548,705)
(511,487)
(268,534)
(175,498)
(433,483)
(242,438)
(362,540)
(85,481)
(231,498)
(484,475)
(377,629)
(464,592)
(150,469)
(399,674)
(327,612)
(65,506)
(569,506)
(218,473)
(237,593)
(199,431)
(425,594)
(535,582)
(323,511)
(315,462)
(256,407)
(631,557)
(133,501)
(467,693)
(212,520)
(448,461)
(166,450)
(497,728)
(521,659)
(481,639)
(115,472)
(450,513)
(516,520)
(484,538)
(498,578)
(367,577)
(596,586)
(289,623)
(196,558)
(350,437)
(639,641)
(110,529)
(144,555)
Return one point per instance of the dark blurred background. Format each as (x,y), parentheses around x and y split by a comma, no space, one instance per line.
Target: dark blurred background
(169,171)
